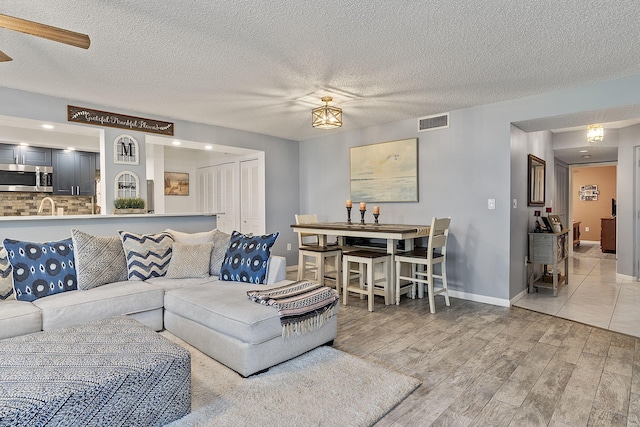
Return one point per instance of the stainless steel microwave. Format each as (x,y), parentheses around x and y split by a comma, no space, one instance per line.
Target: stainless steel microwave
(26,178)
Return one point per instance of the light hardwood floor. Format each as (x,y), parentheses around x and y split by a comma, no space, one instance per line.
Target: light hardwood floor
(483,365)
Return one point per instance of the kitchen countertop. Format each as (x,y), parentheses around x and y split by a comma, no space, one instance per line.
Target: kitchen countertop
(89,217)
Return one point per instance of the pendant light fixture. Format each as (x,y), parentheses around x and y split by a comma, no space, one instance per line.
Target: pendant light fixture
(326,117)
(595,133)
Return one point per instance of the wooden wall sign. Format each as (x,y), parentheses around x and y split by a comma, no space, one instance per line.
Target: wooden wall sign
(114,120)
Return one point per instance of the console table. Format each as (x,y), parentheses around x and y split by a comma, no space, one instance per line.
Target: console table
(549,249)
(608,234)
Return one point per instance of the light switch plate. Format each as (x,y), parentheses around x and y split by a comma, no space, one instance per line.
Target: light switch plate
(492,203)
(515,203)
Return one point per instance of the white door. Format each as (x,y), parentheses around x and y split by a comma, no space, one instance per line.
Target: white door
(224,202)
(561,194)
(251,197)
(205,190)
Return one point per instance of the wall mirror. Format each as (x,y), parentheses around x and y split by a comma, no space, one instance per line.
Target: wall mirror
(537,170)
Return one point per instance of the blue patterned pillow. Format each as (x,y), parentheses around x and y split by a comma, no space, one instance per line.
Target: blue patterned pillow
(246,258)
(41,269)
(148,255)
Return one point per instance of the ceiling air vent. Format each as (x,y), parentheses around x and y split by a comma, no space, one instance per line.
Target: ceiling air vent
(439,121)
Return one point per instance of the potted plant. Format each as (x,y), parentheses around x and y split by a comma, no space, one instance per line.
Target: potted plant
(129,205)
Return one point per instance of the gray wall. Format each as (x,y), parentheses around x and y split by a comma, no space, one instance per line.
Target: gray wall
(627,200)
(459,169)
(281,155)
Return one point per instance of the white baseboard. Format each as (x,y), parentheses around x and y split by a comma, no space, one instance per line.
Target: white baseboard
(625,278)
(517,297)
(480,298)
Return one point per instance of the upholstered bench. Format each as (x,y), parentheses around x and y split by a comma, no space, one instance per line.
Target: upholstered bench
(218,319)
(113,371)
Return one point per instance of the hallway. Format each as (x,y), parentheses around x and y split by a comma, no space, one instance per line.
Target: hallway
(593,296)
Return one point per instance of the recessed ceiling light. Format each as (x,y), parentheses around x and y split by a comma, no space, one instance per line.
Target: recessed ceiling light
(47,126)
(586,156)
(24,144)
(176,142)
(583,151)
(208,147)
(71,149)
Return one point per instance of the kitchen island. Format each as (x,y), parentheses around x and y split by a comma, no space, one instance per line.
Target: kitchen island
(41,228)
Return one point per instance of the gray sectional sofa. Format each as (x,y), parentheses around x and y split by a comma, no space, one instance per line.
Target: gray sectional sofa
(212,315)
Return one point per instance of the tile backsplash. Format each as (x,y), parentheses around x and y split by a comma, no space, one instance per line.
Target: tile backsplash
(23,204)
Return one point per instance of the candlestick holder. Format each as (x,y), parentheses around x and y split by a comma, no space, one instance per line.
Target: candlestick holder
(348,215)
(376,217)
(362,211)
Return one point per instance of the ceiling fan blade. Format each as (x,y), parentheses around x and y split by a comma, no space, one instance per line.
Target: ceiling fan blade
(4,57)
(45,31)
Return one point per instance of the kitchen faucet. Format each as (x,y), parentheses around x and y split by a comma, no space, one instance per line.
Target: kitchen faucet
(53,205)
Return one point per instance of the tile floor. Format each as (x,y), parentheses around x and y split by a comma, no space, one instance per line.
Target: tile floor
(593,295)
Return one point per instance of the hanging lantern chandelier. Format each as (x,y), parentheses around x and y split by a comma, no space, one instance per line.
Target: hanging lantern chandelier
(327,116)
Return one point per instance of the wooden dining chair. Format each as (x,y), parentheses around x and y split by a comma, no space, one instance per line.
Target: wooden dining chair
(421,262)
(313,258)
(369,284)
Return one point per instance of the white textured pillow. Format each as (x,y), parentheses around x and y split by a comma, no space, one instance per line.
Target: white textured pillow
(220,244)
(6,278)
(99,260)
(192,238)
(189,260)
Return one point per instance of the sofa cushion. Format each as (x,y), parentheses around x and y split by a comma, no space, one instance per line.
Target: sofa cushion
(113,299)
(6,280)
(225,308)
(246,258)
(19,318)
(189,260)
(168,284)
(191,238)
(41,269)
(220,241)
(148,255)
(99,260)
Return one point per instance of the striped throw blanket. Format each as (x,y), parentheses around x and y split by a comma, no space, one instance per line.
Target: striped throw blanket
(303,306)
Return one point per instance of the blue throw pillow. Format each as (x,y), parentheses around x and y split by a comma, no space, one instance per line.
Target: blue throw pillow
(41,269)
(247,257)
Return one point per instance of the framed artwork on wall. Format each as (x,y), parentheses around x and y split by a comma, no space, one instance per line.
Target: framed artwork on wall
(127,185)
(176,184)
(385,172)
(126,150)
(589,193)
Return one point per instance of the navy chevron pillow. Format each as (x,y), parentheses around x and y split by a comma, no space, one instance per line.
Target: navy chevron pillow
(148,255)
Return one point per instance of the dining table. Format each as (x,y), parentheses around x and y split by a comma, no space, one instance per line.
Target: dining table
(392,233)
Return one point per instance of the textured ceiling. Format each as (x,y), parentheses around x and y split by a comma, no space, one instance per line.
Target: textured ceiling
(262,65)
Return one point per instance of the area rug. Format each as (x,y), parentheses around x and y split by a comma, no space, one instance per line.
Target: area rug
(322,387)
(591,250)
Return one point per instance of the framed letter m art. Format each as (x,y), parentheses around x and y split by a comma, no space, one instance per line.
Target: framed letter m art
(385,172)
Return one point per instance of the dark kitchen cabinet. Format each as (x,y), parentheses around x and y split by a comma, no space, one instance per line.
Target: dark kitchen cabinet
(74,173)
(25,155)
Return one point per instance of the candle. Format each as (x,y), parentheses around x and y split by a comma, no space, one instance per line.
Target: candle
(376,210)
(349,204)
(363,206)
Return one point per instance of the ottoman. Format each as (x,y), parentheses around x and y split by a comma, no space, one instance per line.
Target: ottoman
(219,320)
(114,372)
